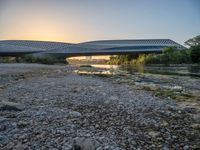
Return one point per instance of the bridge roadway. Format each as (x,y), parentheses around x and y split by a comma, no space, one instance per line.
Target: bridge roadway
(106,47)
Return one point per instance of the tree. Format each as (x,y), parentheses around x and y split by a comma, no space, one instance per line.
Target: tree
(169,50)
(195,54)
(193,41)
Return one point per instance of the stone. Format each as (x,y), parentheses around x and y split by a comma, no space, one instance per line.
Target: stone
(154,134)
(60,131)
(195,126)
(2,119)
(81,143)
(96,126)
(75,89)
(186,147)
(190,110)
(165,148)
(1,87)
(99,148)
(20,147)
(177,88)
(11,106)
(98,111)
(22,124)
(3,139)
(67,147)
(113,98)
(10,145)
(2,128)
(117,148)
(74,114)
(153,87)
(196,117)
(164,123)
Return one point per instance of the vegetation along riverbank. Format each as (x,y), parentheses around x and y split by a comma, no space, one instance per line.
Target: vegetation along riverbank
(170,55)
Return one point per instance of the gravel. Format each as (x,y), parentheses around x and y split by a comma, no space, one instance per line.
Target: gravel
(63,110)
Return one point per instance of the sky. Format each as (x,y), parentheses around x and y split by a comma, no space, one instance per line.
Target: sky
(88,20)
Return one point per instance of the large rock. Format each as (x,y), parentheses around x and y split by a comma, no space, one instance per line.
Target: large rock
(11,106)
(81,143)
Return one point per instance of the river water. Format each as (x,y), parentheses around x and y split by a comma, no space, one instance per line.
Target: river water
(192,71)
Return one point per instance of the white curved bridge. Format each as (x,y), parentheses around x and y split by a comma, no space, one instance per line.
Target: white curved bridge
(104,47)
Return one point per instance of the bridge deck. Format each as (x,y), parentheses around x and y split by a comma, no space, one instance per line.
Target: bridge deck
(108,47)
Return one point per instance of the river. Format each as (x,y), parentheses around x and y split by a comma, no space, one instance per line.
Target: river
(192,71)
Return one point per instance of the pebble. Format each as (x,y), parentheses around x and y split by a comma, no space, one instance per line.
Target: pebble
(97,115)
(81,143)
(186,147)
(74,114)
(20,147)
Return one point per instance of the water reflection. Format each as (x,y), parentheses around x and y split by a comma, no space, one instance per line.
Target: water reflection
(105,66)
(181,70)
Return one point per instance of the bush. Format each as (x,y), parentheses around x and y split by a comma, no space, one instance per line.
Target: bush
(141,59)
(170,55)
(180,57)
(153,59)
(169,50)
(120,59)
(195,54)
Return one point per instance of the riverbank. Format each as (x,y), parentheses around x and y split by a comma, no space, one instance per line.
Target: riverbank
(170,55)
(64,107)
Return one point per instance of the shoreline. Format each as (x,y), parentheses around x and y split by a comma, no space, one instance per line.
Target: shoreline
(51,106)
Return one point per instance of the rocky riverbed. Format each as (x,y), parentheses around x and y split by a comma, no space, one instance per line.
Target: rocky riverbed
(63,107)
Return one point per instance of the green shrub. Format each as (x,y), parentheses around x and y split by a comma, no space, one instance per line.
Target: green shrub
(120,59)
(169,50)
(195,54)
(170,55)
(153,59)
(141,59)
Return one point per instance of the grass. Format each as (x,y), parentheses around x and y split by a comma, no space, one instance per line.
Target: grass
(178,96)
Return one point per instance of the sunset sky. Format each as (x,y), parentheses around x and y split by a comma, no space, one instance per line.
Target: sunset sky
(86,20)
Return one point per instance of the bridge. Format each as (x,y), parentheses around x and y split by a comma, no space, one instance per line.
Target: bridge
(103,47)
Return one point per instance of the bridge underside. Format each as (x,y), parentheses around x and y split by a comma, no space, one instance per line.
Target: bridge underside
(67,55)
(101,54)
